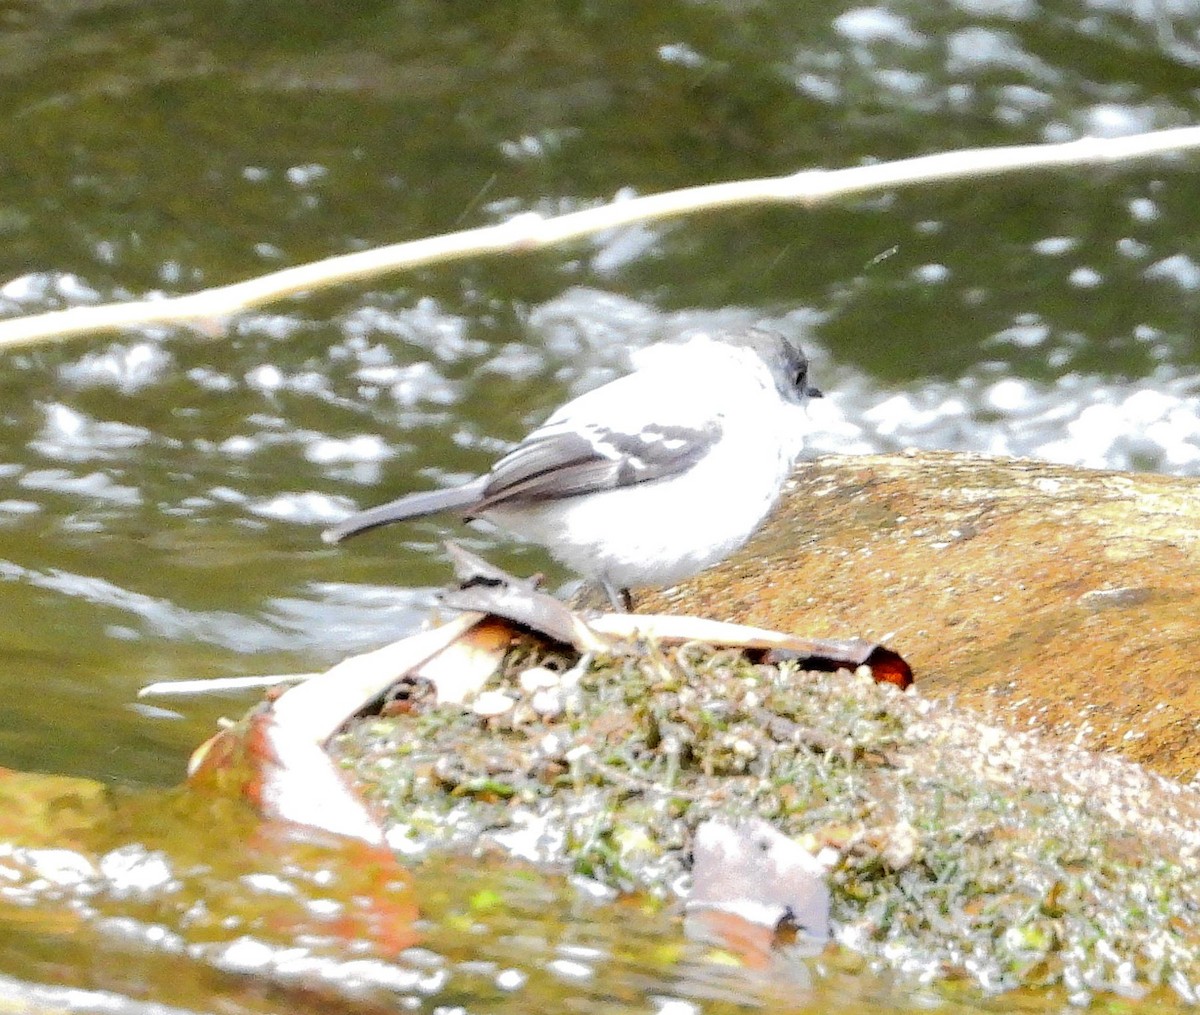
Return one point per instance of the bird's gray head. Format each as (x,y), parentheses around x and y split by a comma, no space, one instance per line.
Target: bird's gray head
(786,361)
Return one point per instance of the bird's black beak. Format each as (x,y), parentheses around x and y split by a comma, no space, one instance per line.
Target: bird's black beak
(814,392)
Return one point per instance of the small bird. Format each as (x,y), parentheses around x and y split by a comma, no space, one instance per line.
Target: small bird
(650,478)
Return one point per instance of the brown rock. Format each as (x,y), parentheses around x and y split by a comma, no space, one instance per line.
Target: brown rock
(1066,599)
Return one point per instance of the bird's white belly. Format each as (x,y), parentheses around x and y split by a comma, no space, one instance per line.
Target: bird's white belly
(658,533)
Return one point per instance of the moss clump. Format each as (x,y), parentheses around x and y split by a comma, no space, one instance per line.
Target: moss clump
(963,850)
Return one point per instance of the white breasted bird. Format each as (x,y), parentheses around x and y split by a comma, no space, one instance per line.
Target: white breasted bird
(651,477)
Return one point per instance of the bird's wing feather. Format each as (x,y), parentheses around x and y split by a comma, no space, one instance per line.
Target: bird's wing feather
(558,461)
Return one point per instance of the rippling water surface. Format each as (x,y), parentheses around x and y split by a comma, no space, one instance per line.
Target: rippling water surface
(162,491)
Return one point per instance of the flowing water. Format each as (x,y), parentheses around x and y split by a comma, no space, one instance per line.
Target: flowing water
(162,491)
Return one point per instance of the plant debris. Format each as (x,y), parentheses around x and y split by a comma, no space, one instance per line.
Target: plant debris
(959,851)
(956,851)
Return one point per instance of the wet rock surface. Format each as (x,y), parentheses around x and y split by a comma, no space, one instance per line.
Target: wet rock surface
(1059,599)
(957,849)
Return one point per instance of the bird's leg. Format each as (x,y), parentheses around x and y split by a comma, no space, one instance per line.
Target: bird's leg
(621,600)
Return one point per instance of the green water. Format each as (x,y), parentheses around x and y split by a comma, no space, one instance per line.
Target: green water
(161,492)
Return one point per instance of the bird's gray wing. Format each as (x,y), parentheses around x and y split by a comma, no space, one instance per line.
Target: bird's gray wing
(557,461)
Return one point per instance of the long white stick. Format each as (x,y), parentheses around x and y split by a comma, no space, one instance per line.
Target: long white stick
(218,685)
(531,231)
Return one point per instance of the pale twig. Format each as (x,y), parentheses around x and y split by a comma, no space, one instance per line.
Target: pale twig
(218,685)
(531,231)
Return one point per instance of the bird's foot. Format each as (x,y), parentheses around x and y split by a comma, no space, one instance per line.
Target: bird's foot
(622,601)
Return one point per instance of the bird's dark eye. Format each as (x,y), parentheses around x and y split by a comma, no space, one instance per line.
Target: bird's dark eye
(804,387)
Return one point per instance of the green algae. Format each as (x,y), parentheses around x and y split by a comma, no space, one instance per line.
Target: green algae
(959,852)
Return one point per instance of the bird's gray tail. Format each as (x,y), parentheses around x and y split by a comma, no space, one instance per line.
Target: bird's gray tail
(414,505)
